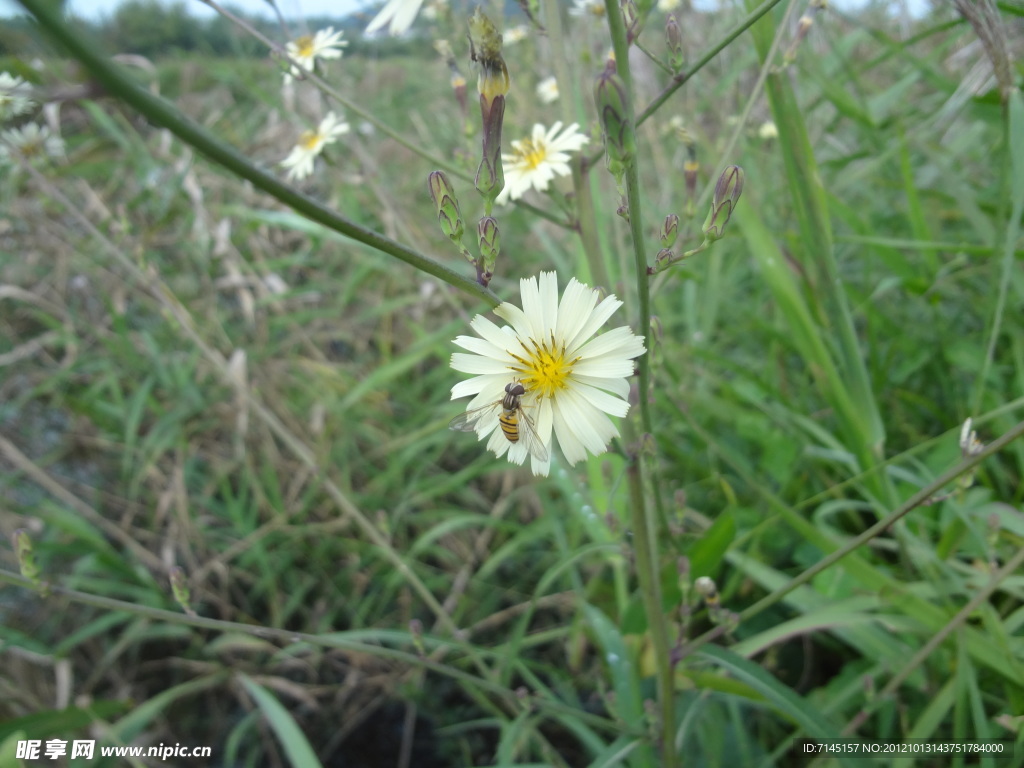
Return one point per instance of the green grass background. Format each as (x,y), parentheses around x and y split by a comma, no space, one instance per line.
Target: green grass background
(811,373)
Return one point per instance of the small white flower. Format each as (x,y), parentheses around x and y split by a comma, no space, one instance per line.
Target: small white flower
(311,143)
(14,96)
(31,142)
(587,8)
(308,48)
(547,90)
(768,131)
(397,14)
(535,161)
(571,380)
(515,34)
(667,6)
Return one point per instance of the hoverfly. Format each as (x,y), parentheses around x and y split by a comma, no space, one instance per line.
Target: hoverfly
(515,422)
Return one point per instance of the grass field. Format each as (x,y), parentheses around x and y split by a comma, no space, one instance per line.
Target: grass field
(211,384)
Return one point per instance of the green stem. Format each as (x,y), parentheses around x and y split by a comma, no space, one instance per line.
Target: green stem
(161,113)
(644,520)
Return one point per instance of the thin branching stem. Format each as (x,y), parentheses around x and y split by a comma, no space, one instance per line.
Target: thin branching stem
(643,514)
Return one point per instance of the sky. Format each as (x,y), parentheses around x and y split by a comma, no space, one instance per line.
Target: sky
(94,9)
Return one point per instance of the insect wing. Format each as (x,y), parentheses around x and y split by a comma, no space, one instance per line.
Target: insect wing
(467,421)
(528,436)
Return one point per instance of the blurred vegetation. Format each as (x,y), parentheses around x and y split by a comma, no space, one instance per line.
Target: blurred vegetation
(124,452)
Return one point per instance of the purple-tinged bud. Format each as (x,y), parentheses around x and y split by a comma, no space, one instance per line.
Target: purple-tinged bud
(630,20)
(727,194)
(669,231)
(489,239)
(674,43)
(493,84)
(449,217)
(612,101)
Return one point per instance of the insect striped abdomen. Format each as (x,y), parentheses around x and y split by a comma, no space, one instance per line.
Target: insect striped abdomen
(509,421)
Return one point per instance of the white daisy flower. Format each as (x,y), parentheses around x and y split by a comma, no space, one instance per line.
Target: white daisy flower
(308,48)
(14,96)
(547,90)
(535,161)
(30,142)
(570,381)
(311,143)
(587,8)
(515,34)
(397,14)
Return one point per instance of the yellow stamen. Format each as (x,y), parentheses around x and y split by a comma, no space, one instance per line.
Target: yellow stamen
(531,154)
(305,46)
(546,369)
(309,140)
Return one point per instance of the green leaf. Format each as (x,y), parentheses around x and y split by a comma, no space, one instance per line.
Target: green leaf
(296,746)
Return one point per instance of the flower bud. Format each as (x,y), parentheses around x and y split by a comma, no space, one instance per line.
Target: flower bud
(489,240)
(485,49)
(669,231)
(25,555)
(674,43)
(448,215)
(493,84)
(630,19)
(179,587)
(727,194)
(613,110)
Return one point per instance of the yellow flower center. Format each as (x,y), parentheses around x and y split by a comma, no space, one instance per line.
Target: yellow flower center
(305,46)
(531,154)
(309,140)
(545,369)
(31,149)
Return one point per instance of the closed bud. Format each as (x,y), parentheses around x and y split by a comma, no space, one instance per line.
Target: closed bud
(179,588)
(416,630)
(448,215)
(727,194)
(493,84)
(674,43)
(630,19)
(489,239)
(662,260)
(669,231)
(25,555)
(613,110)
(690,170)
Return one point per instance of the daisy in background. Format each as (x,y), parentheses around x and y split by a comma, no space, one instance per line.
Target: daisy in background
(14,96)
(308,48)
(547,90)
(515,34)
(30,143)
(311,143)
(571,380)
(535,161)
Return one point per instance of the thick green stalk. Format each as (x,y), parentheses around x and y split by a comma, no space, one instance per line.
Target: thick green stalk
(644,519)
(161,113)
